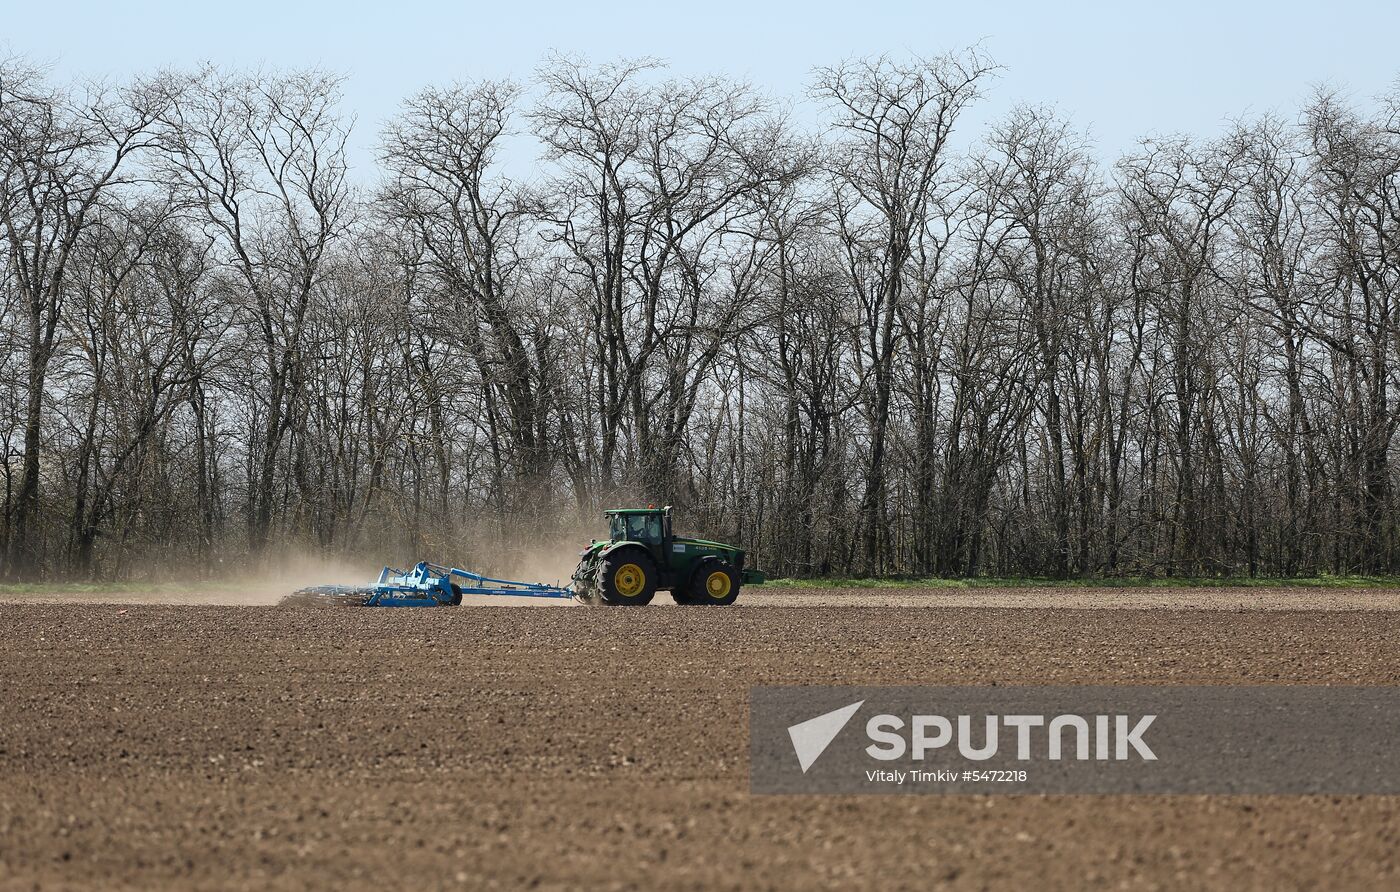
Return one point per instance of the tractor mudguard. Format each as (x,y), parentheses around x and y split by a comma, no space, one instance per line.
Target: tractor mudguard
(614,546)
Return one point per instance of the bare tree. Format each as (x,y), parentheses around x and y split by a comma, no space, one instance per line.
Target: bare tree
(1178,198)
(61,157)
(472,226)
(893,124)
(654,182)
(259,161)
(1357,192)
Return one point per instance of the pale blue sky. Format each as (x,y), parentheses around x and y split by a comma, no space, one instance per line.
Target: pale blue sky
(1118,70)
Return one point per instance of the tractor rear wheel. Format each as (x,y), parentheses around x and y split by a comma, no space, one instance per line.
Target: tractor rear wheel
(627,578)
(713,583)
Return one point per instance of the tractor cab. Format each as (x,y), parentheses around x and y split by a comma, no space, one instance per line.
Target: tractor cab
(649,526)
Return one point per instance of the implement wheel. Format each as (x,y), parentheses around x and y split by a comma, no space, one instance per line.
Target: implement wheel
(627,578)
(713,583)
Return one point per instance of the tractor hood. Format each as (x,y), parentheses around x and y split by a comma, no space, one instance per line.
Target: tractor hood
(598,544)
(706,543)
(679,543)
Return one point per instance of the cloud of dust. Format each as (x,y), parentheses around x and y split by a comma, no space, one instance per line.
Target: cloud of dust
(529,552)
(544,551)
(286,572)
(520,550)
(248,583)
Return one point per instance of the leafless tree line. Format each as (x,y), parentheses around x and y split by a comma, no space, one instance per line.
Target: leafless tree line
(863,351)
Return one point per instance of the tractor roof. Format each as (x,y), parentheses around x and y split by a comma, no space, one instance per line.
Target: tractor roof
(634,510)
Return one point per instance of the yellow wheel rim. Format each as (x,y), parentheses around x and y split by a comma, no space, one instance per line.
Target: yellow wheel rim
(629,580)
(717,584)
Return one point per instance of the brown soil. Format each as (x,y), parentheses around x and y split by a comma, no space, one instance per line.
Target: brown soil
(1107,598)
(212,747)
(268,593)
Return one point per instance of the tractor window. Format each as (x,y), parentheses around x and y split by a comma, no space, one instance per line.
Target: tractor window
(644,528)
(617,527)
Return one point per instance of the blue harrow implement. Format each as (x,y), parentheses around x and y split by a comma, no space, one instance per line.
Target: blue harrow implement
(426,585)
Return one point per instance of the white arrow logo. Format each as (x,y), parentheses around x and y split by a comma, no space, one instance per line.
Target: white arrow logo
(811,738)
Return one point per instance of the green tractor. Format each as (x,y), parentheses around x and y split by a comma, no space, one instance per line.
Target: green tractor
(642,556)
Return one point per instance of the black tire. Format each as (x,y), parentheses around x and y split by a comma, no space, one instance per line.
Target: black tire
(713,583)
(681,596)
(627,578)
(456,595)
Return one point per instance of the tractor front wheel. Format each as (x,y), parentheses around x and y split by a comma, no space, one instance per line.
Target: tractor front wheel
(627,578)
(714,583)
